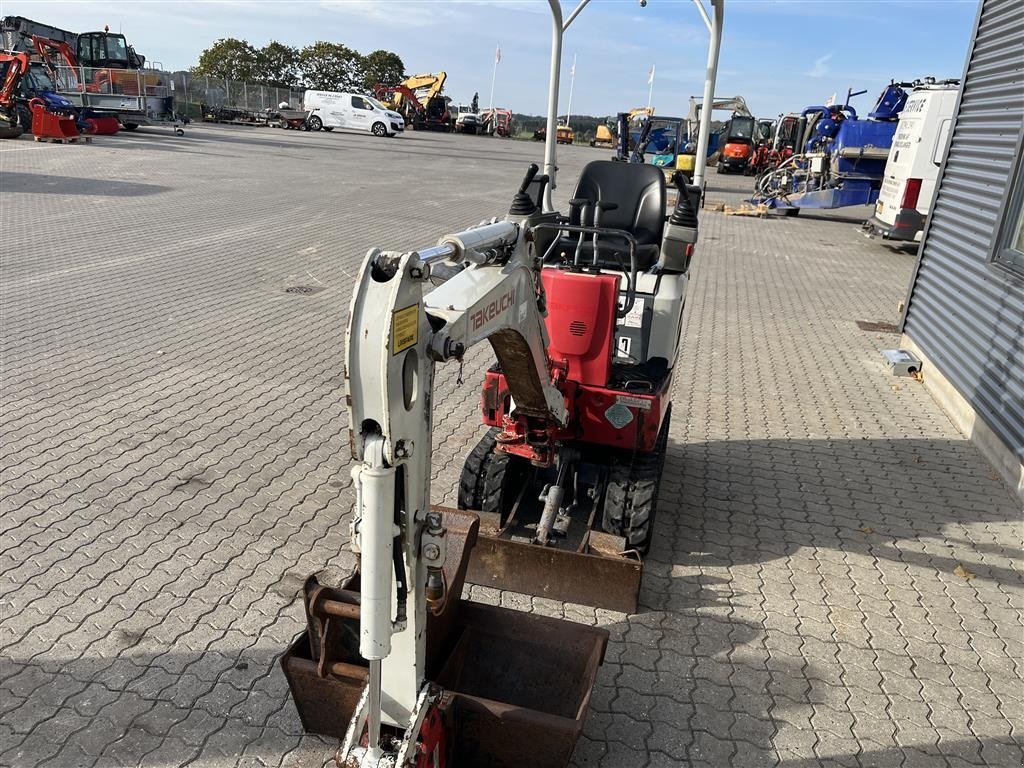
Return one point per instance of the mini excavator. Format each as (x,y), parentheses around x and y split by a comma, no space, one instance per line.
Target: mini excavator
(583,313)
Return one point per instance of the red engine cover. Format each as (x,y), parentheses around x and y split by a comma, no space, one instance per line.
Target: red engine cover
(581,322)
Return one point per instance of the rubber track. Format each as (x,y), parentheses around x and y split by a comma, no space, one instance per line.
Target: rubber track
(632,495)
(474,472)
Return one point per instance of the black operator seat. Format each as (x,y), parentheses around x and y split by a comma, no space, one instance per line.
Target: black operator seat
(639,192)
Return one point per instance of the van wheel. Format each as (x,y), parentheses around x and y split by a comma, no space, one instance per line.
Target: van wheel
(315,123)
(379,129)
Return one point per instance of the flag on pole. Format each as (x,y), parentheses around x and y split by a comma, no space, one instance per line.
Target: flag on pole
(830,100)
(650,75)
(497,54)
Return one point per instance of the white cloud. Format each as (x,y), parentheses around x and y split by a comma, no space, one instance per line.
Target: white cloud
(821,67)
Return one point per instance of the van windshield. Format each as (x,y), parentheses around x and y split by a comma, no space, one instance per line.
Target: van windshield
(375,103)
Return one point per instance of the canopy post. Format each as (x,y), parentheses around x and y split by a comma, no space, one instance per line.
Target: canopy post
(703,133)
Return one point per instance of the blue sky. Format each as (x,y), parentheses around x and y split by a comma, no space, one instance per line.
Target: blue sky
(782,55)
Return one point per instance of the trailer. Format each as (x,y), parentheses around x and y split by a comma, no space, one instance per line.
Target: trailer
(96,71)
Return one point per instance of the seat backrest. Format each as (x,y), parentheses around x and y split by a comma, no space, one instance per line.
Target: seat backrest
(638,190)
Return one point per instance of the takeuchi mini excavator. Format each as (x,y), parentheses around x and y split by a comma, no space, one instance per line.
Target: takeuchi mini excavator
(583,313)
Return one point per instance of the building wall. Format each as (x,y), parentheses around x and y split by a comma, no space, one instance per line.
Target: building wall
(964,313)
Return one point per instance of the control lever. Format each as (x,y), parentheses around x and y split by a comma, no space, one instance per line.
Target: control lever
(522,203)
(602,206)
(582,205)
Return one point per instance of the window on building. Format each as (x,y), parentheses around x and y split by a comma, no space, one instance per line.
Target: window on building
(1009,243)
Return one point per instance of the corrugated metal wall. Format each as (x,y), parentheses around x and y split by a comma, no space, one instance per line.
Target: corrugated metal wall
(965,314)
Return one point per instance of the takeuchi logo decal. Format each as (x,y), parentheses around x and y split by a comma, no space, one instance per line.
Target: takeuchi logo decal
(493,309)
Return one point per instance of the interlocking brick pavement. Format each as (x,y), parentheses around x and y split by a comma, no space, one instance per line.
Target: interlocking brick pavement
(175,463)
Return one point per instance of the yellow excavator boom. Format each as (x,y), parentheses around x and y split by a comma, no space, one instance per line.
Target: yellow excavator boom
(426,86)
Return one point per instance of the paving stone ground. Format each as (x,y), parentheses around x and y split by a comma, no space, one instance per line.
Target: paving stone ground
(836,576)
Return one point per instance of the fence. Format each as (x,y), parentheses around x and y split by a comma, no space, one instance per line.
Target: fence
(194,91)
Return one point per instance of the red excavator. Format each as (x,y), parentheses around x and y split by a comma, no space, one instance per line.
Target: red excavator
(14,66)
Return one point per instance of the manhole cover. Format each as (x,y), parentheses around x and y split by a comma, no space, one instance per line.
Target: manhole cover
(876,327)
(304,290)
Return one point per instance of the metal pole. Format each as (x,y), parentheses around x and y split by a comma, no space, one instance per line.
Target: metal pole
(550,140)
(572,82)
(494,75)
(700,162)
(552,127)
(650,91)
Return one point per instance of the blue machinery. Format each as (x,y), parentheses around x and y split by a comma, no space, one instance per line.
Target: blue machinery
(841,158)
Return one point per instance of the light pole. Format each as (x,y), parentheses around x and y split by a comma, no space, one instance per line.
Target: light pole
(494,74)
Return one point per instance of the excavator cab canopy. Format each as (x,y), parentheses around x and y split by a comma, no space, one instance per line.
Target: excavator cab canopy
(740,129)
(106,49)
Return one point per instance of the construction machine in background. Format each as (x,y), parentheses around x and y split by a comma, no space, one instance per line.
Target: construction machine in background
(663,138)
(418,99)
(606,135)
(736,105)
(737,144)
(106,77)
(778,147)
(496,122)
(840,158)
(62,66)
(467,120)
(563,134)
(13,67)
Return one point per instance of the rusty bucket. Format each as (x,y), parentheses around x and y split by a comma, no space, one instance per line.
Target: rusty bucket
(517,685)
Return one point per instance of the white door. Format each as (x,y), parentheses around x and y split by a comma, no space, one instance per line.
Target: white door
(362,114)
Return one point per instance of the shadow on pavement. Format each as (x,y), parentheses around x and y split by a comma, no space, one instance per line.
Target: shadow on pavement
(746,501)
(42,184)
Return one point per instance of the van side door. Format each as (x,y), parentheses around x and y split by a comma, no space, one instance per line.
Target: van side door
(361,112)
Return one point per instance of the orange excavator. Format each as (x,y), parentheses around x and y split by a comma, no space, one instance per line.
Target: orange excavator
(13,67)
(738,137)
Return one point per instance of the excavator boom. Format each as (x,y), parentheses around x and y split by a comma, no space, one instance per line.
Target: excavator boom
(426,86)
(13,67)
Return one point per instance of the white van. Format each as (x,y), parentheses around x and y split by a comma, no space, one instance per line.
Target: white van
(911,172)
(352,111)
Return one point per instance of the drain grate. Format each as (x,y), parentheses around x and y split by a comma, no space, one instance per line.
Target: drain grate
(304,290)
(877,327)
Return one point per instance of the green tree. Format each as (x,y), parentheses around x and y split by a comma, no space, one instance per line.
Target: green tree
(228,58)
(277,65)
(382,67)
(331,67)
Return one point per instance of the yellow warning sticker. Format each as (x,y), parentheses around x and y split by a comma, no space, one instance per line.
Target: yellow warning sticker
(405,326)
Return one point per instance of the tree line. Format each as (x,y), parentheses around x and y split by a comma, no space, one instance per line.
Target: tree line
(322,66)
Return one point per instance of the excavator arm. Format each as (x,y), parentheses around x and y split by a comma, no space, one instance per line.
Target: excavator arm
(410,311)
(15,65)
(426,86)
(59,59)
